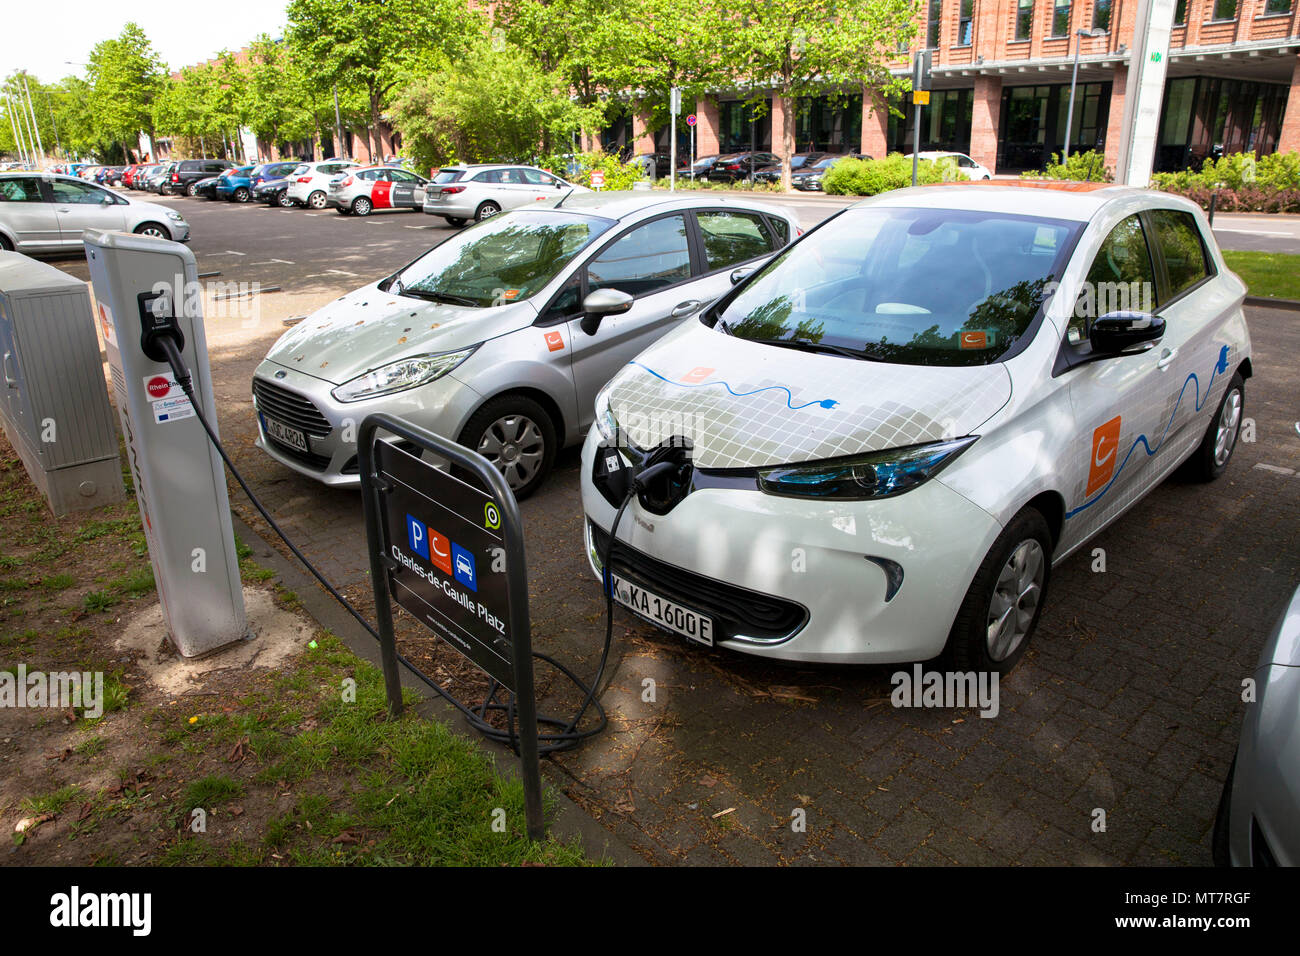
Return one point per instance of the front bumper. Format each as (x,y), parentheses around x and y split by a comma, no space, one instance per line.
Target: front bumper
(827,558)
(304,402)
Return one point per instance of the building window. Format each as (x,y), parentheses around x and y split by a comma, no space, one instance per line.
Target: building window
(1061,18)
(1277,6)
(1225,9)
(967,19)
(932,27)
(1024,19)
(1101,15)
(1180,13)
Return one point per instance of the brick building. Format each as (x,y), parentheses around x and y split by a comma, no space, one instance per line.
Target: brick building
(1002,86)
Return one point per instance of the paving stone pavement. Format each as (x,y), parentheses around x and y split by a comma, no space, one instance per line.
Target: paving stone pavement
(1128,701)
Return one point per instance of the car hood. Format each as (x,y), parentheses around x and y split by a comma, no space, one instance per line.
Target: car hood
(369,328)
(745,405)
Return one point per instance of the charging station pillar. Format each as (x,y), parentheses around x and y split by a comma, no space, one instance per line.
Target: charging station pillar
(180,482)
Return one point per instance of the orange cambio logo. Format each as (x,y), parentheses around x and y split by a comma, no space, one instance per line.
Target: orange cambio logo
(440,551)
(554,341)
(697,375)
(974,340)
(1105,449)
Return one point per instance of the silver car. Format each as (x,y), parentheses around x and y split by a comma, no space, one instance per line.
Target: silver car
(462,193)
(501,336)
(47,213)
(1258,823)
(309,182)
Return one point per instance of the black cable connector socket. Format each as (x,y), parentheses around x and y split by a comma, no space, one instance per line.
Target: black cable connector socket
(158,321)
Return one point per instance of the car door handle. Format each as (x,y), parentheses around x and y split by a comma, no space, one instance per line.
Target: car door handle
(1166,359)
(64,209)
(685,308)
(10,379)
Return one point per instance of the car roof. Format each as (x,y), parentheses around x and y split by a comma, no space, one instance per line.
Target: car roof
(1054,199)
(627,204)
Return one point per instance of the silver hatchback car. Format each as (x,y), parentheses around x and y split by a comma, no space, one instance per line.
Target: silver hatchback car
(501,336)
(42,212)
(462,193)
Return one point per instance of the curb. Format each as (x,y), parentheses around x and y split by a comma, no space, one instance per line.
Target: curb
(569,821)
(1291,305)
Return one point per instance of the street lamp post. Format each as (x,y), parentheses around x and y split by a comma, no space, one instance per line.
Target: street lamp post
(1074,81)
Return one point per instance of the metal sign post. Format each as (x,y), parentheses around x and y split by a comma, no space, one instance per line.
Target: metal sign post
(450,551)
(920,96)
(674,107)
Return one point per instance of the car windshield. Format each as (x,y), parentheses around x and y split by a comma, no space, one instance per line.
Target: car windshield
(909,286)
(501,260)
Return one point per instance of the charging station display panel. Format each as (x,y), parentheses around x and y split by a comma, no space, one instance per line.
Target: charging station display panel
(446,554)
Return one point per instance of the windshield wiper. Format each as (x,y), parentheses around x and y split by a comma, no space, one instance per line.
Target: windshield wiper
(807,345)
(435,296)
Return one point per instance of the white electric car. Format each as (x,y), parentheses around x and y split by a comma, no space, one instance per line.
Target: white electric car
(876,446)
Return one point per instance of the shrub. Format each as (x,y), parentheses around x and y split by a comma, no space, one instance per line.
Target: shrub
(1078,167)
(867,177)
(577,168)
(1241,182)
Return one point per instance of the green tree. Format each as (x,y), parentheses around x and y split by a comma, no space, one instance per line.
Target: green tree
(496,103)
(371,43)
(125,74)
(807,49)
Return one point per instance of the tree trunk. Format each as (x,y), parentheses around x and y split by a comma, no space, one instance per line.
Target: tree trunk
(377,149)
(787,140)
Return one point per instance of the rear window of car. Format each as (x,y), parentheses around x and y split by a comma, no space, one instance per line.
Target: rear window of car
(301,169)
(1180,241)
(448,175)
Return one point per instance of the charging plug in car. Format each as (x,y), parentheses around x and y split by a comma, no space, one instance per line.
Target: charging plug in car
(161,338)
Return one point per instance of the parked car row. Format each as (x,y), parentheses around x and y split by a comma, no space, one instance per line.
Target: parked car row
(743,393)
(47,212)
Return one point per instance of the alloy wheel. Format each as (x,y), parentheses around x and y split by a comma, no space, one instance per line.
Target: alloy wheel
(515,447)
(1229,419)
(1015,599)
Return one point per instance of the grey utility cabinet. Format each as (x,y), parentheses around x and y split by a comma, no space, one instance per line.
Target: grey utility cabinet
(54,406)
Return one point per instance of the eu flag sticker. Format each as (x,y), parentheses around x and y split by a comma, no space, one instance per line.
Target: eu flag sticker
(463,563)
(418,536)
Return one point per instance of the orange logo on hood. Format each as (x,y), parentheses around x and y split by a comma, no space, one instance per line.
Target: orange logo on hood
(697,375)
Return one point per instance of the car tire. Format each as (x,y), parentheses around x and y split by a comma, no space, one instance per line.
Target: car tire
(361,206)
(1215,450)
(283,201)
(1023,553)
(155,229)
(486,211)
(241,195)
(5,244)
(192,190)
(317,200)
(517,436)
(455,221)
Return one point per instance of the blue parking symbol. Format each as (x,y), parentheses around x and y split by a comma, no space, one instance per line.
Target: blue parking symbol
(418,536)
(462,563)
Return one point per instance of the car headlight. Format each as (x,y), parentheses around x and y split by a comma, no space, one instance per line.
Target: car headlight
(401,375)
(881,474)
(606,423)
(175,216)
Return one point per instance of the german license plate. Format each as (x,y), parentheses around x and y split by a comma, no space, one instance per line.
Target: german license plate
(285,435)
(669,615)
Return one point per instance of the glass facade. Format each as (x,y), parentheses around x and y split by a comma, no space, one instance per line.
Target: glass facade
(739,130)
(1206,117)
(1033,123)
(831,124)
(945,123)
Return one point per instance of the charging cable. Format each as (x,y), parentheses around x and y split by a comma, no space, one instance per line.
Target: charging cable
(564,737)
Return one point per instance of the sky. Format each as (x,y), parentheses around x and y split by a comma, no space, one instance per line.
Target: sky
(182,34)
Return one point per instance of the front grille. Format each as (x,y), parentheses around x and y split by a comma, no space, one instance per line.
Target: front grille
(736,611)
(290,408)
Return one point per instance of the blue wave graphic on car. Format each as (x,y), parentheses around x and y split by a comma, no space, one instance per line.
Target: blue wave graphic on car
(1220,367)
(822,403)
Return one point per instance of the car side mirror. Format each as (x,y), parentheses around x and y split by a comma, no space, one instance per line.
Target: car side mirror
(601,303)
(740,275)
(1116,333)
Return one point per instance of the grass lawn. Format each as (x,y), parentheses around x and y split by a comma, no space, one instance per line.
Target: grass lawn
(292,764)
(1274,275)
